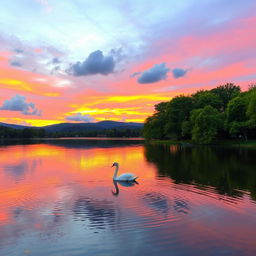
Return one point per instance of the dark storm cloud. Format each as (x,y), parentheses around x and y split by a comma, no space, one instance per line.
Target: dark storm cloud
(179,72)
(95,63)
(18,103)
(157,73)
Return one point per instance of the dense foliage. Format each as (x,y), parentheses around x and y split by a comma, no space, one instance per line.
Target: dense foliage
(113,132)
(223,112)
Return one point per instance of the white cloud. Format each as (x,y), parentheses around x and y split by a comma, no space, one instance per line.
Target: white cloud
(63,83)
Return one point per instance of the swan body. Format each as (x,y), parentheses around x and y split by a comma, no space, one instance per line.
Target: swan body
(123,177)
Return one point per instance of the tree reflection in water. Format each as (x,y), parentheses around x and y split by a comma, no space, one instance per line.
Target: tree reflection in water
(228,169)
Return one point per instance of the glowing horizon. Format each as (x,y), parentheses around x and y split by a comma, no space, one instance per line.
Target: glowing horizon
(70,62)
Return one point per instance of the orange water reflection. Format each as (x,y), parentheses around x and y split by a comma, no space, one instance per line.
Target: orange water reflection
(31,174)
(46,189)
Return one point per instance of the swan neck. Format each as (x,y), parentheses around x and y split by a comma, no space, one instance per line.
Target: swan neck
(115,173)
(116,187)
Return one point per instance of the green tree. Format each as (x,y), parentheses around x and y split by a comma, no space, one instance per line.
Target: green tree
(251,109)
(154,125)
(178,111)
(186,116)
(206,98)
(206,122)
(153,128)
(237,121)
(226,93)
(186,129)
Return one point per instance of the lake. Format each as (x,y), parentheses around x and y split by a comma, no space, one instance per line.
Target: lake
(58,198)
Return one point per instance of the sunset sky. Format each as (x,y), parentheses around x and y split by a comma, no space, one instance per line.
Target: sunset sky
(87,61)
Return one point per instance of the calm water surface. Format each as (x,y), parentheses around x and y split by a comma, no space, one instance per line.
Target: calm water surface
(58,198)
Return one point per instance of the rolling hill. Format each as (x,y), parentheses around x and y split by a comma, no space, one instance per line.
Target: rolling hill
(76,127)
(103,125)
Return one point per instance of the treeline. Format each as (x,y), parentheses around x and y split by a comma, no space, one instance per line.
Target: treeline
(114,132)
(7,133)
(223,112)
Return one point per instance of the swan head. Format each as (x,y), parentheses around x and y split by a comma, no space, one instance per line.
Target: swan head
(115,164)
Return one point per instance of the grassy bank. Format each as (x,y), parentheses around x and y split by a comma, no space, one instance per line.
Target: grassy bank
(240,143)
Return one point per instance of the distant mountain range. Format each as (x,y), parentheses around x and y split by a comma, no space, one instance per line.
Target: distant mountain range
(66,127)
(15,126)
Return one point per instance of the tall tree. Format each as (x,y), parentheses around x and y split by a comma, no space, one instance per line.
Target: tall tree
(206,122)
(178,111)
(237,121)
(206,98)
(226,92)
(251,109)
(154,125)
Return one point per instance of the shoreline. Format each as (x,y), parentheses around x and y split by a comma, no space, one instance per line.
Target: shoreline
(238,143)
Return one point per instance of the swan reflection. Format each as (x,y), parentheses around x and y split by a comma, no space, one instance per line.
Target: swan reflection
(124,184)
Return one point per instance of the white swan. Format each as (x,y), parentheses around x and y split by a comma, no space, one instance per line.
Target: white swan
(124,176)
